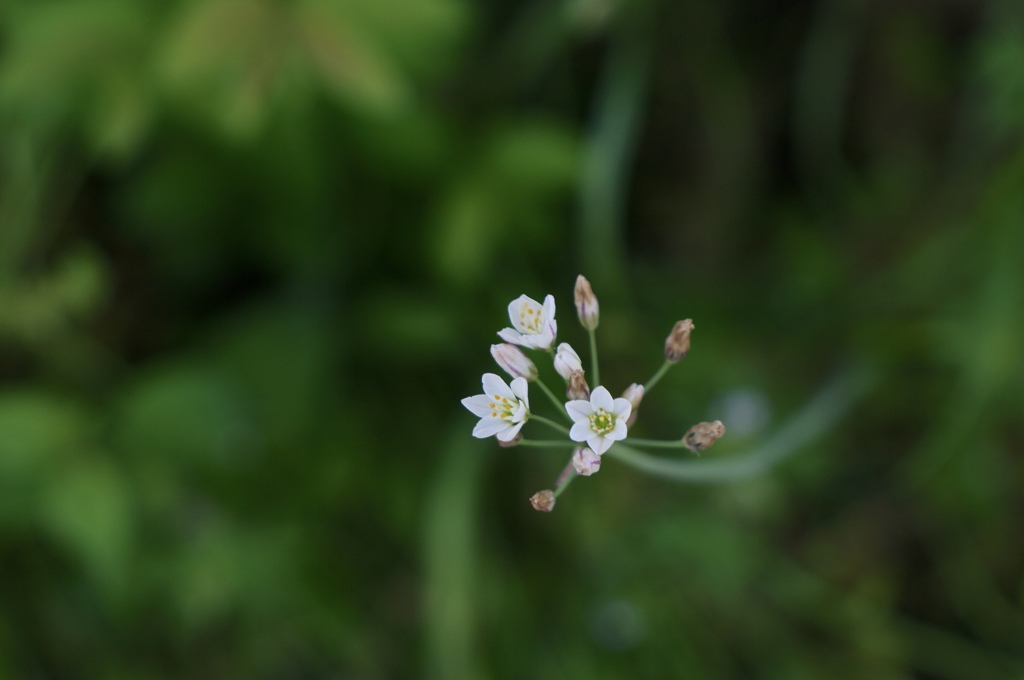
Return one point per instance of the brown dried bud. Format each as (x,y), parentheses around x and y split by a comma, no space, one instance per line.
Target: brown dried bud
(511,442)
(586,303)
(544,501)
(578,388)
(677,344)
(703,435)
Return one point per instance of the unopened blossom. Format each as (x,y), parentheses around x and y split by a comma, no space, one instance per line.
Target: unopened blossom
(533,325)
(586,303)
(567,361)
(599,421)
(513,361)
(634,394)
(703,435)
(677,344)
(577,387)
(544,501)
(586,462)
(502,409)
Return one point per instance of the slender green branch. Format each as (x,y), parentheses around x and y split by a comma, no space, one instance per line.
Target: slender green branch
(594,371)
(565,478)
(559,405)
(657,376)
(547,442)
(659,443)
(816,418)
(549,423)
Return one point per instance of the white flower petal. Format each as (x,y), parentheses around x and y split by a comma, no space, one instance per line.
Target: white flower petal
(511,335)
(534,342)
(619,431)
(518,313)
(510,434)
(479,405)
(599,443)
(520,390)
(581,431)
(494,385)
(514,309)
(579,409)
(600,397)
(549,334)
(488,427)
(621,408)
(549,307)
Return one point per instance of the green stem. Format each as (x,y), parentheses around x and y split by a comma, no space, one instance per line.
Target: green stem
(595,373)
(559,406)
(823,411)
(549,423)
(546,442)
(565,479)
(659,443)
(657,376)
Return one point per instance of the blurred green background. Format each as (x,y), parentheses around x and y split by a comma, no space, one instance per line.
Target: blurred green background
(253,252)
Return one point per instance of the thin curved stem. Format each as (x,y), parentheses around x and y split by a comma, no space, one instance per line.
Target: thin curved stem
(560,406)
(547,442)
(657,376)
(549,423)
(565,478)
(816,418)
(659,443)
(594,370)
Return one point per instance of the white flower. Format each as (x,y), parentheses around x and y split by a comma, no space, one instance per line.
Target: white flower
(600,421)
(586,462)
(567,361)
(513,361)
(502,409)
(533,326)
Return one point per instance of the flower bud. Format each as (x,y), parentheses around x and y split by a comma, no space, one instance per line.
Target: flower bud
(703,435)
(677,344)
(567,361)
(586,462)
(513,361)
(577,388)
(633,394)
(586,303)
(544,501)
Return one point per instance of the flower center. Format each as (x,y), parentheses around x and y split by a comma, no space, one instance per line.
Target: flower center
(529,316)
(602,422)
(503,408)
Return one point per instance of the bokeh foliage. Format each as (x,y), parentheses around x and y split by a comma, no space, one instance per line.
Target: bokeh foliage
(252,253)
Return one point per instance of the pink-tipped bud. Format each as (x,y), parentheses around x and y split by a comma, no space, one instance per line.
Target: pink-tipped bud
(544,501)
(677,344)
(703,435)
(577,388)
(634,394)
(513,361)
(586,303)
(567,361)
(585,462)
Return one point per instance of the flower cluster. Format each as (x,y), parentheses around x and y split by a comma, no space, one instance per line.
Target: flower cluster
(598,423)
